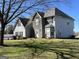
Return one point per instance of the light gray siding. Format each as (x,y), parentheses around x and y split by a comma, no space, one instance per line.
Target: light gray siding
(37,25)
(64,26)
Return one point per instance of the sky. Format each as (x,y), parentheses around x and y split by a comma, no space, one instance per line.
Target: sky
(72,9)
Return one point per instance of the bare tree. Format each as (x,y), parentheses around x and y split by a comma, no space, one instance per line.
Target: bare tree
(10,9)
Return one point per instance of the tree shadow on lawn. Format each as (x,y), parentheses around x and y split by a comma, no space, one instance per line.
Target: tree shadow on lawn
(44,48)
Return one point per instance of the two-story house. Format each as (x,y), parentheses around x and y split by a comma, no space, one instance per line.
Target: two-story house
(54,23)
(19,28)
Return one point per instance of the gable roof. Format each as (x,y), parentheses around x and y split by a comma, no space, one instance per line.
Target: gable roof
(40,13)
(59,12)
(49,13)
(23,20)
(56,11)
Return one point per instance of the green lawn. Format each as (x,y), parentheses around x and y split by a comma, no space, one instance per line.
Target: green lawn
(41,49)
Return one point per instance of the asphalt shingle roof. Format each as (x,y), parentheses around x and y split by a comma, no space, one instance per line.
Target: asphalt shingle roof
(24,20)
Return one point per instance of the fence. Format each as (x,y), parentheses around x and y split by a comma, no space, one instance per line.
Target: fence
(8,36)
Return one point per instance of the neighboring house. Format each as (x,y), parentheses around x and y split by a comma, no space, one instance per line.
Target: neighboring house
(8,33)
(52,24)
(77,35)
(9,29)
(19,28)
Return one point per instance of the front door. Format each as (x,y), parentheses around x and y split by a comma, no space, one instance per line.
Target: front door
(47,32)
(52,32)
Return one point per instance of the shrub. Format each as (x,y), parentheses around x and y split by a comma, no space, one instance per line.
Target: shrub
(72,36)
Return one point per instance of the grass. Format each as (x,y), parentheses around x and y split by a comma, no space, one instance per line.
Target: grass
(41,48)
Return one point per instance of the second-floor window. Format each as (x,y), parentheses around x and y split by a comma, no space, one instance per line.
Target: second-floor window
(50,20)
(68,23)
(37,21)
(19,24)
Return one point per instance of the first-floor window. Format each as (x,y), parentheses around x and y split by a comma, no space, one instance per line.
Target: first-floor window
(19,34)
(16,33)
